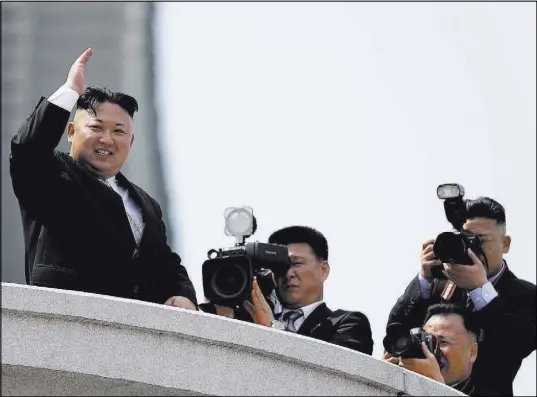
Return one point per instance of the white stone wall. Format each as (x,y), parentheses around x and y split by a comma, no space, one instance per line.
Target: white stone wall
(57,342)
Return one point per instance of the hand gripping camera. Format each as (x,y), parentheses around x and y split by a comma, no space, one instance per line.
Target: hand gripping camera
(399,342)
(452,247)
(228,273)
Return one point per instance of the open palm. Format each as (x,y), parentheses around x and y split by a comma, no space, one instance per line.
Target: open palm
(75,77)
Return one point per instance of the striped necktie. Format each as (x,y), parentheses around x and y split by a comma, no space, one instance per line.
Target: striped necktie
(289,318)
(135,227)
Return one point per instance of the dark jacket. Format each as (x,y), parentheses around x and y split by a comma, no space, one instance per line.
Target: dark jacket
(508,324)
(467,387)
(340,327)
(76,232)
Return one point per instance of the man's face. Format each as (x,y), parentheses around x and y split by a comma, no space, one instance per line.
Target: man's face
(102,141)
(494,242)
(303,283)
(457,345)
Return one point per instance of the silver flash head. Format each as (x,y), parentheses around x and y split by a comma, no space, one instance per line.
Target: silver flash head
(449,191)
(239,222)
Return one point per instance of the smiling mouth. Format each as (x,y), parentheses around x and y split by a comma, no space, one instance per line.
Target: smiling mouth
(103,152)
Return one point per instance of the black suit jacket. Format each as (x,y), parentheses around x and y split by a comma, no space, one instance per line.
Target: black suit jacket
(340,327)
(77,235)
(508,324)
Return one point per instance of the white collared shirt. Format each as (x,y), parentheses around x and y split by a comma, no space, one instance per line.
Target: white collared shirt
(307,310)
(130,206)
(66,98)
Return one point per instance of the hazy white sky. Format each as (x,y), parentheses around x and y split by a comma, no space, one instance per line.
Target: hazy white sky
(346,117)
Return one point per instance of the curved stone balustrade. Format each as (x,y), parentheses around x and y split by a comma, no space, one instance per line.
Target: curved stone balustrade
(57,342)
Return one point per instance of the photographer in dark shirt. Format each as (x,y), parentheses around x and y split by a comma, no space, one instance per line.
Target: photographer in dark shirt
(504,304)
(456,330)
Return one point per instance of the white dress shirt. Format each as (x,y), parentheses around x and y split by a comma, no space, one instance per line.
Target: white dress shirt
(307,310)
(66,98)
(130,207)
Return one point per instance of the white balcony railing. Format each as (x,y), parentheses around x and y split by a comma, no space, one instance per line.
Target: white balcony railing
(57,342)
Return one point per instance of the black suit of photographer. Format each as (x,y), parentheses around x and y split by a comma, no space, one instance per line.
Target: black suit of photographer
(293,300)
(339,327)
(508,324)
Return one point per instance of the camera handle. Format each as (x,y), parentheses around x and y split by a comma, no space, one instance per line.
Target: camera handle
(455,210)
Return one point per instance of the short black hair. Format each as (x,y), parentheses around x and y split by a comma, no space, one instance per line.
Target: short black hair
(302,234)
(94,96)
(469,318)
(485,207)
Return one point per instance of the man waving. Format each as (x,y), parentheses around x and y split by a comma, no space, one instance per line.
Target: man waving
(86,226)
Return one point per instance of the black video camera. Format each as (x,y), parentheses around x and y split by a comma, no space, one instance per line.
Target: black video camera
(452,247)
(228,273)
(399,342)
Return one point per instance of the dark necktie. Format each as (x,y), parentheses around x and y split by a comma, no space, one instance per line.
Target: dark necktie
(289,318)
(135,227)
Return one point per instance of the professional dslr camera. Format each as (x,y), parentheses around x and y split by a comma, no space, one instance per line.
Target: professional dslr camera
(399,342)
(228,273)
(452,247)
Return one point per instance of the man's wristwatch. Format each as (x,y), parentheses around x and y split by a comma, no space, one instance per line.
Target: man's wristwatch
(277,325)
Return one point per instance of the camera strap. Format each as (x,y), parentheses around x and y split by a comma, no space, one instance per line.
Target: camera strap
(449,290)
(446,290)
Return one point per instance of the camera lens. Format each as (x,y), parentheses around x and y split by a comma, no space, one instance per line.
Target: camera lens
(397,340)
(398,345)
(229,280)
(450,248)
(402,343)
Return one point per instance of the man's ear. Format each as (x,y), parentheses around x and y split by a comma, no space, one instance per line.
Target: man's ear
(70,131)
(473,352)
(506,243)
(325,270)
(132,139)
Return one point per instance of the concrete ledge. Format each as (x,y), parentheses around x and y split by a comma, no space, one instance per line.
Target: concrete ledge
(71,343)
(30,381)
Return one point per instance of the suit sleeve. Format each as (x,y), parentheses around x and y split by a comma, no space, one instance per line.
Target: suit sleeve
(410,308)
(34,168)
(176,280)
(514,323)
(354,332)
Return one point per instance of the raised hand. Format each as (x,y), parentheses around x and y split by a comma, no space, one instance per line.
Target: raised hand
(467,277)
(428,260)
(260,310)
(427,366)
(75,77)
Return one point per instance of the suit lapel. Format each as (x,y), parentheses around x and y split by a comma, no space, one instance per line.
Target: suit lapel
(107,202)
(149,216)
(315,320)
(113,206)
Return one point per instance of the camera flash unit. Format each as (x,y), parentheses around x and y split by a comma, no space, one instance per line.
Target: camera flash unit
(449,191)
(239,222)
